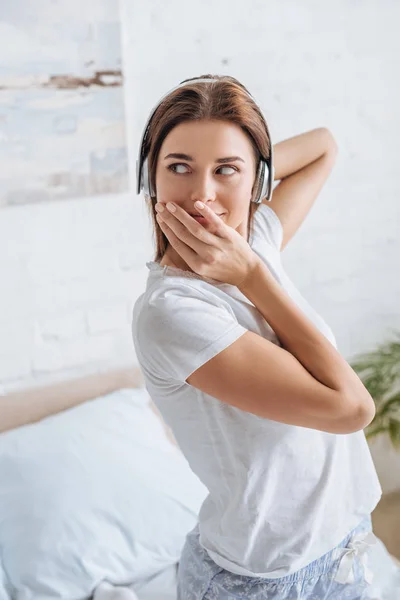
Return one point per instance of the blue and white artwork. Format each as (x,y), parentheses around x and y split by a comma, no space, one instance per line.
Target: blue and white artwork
(62,124)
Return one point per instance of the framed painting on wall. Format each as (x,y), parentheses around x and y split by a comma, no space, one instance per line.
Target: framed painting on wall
(62,122)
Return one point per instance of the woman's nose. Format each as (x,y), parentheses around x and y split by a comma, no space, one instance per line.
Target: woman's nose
(203,190)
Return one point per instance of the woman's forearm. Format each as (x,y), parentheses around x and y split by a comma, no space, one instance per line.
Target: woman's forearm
(296,152)
(301,338)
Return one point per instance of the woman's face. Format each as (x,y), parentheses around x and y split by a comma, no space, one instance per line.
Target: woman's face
(210,161)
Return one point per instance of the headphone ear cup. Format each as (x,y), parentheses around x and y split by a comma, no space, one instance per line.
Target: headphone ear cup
(264,182)
(146,178)
(261,182)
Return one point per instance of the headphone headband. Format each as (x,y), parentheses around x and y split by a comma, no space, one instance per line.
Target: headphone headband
(265,171)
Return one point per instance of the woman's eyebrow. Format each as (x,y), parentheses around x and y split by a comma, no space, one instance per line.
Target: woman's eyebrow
(190,159)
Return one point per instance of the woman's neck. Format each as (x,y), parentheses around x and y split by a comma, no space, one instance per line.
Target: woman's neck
(172,259)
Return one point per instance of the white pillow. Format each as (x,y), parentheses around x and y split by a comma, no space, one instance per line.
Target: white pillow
(95,493)
(4,594)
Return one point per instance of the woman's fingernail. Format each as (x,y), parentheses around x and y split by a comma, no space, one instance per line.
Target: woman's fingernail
(159,207)
(171,207)
(199,204)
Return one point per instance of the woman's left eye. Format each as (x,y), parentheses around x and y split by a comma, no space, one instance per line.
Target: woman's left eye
(232,169)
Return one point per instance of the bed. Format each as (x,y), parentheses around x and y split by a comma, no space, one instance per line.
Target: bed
(29,406)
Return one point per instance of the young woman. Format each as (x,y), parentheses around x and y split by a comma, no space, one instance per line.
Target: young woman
(267,412)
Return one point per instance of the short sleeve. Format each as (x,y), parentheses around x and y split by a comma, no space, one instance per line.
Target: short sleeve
(267,226)
(180,328)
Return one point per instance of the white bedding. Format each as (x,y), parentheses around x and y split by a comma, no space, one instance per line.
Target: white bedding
(113,500)
(160,587)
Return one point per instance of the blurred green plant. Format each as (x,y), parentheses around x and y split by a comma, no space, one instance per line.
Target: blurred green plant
(379,371)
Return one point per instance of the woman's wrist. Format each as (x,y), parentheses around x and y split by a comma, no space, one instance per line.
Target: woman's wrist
(250,284)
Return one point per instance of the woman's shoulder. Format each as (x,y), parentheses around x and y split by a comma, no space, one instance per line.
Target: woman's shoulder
(173,294)
(267,226)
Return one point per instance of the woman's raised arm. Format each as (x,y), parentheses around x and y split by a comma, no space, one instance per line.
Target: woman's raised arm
(303,164)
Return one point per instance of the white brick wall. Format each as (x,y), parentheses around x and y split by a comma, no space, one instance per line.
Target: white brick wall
(71,271)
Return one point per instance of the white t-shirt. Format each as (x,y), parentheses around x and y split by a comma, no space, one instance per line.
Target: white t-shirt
(280,496)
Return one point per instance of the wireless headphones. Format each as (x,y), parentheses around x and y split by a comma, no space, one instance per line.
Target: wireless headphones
(265,171)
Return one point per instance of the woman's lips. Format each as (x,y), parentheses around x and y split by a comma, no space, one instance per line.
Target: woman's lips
(196,215)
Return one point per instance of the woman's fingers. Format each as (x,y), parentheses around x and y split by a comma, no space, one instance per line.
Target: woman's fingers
(187,229)
(188,255)
(194,242)
(216,224)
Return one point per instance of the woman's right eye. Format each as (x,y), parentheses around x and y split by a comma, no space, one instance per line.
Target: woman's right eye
(174,166)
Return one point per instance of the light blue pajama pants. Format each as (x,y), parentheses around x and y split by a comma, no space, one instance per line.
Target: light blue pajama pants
(340,574)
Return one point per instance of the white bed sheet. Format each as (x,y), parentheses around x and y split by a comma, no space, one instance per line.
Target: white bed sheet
(160,587)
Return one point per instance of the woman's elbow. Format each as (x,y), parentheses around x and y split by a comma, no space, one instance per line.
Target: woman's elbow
(360,417)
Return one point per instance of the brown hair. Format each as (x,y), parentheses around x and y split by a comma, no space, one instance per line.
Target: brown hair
(224,99)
